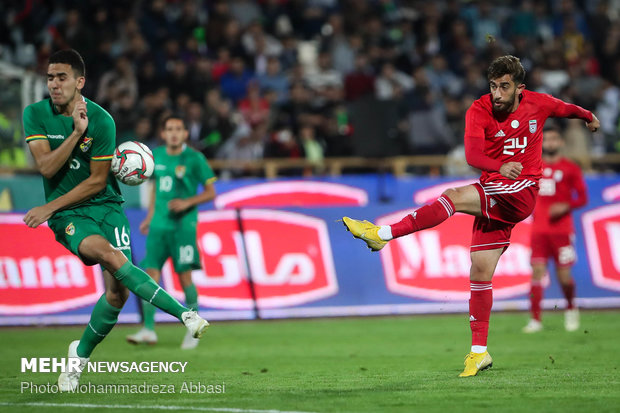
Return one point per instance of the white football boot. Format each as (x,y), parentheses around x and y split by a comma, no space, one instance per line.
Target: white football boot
(533,326)
(195,324)
(571,320)
(69,380)
(144,336)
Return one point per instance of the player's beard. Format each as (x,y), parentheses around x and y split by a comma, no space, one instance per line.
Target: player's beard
(505,106)
(550,152)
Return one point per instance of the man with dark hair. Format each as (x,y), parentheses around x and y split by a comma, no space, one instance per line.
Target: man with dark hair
(172,219)
(562,189)
(72,141)
(503,138)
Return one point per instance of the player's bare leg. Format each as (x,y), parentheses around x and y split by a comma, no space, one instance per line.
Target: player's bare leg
(536,294)
(571,316)
(464,199)
(483,264)
(102,320)
(191,302)
(147,335)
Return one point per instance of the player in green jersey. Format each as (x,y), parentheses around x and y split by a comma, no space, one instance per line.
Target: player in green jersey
(72,140)
(172,219)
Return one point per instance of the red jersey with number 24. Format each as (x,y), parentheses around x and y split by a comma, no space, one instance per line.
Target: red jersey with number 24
(493,139)
(561,181)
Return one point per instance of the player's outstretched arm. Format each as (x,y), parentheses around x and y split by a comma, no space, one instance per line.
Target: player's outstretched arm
(561,109)
(50,161)
(86,189)
(180,205)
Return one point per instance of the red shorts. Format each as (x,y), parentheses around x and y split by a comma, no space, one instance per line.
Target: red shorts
(503,205)
(553,245)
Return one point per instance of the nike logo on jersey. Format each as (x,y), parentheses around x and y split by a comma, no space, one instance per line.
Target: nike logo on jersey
(472,318)
(500,134)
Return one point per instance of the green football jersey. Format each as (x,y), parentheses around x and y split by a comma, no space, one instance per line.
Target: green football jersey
(42,121)
(178,176)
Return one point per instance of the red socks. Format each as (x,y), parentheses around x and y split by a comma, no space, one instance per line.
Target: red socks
(424,217)
(480,305)
(536,294)
(569,293)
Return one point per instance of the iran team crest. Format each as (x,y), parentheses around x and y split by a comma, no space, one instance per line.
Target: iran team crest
(288,256)
(434,264)
(533,126)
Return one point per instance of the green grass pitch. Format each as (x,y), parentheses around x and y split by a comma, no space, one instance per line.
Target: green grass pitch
(381,364)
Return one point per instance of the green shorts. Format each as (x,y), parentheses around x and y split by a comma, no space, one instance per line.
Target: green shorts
(108,220)
(178,244)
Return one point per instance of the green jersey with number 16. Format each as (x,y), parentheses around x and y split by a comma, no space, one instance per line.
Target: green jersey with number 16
(42,121)
(178,176)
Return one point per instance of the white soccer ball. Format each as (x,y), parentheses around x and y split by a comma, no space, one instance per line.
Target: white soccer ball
(132,163)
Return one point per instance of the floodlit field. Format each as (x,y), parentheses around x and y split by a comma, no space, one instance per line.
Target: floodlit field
(391,364)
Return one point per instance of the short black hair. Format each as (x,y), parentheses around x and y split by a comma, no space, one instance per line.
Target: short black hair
(551,126)
(507,65)
(174,116)
(71,58)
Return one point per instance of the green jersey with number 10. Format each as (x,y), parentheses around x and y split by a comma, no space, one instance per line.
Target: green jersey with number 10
(42,121)
(178,176)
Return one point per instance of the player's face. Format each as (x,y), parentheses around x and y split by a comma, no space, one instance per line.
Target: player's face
(174,133)
(504,93)
(62,83)
(552,142)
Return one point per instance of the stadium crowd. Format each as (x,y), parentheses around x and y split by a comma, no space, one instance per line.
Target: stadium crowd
(280,78)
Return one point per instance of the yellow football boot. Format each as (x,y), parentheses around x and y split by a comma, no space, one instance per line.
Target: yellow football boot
(366,231)
(474,362)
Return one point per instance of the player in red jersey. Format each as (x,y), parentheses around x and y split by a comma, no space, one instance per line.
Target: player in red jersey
(503,138)
(562,189)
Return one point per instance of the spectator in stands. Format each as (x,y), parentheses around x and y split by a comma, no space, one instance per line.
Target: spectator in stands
(234,83)
(274,79)
(361,81)
(120,80)
(392,83)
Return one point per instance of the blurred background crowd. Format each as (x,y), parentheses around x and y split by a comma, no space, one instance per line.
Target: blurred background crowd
(322,78)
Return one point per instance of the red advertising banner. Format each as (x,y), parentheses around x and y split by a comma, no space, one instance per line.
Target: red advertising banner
(38,275)
(601,229)
(289,257)
(293,193)
(434,264)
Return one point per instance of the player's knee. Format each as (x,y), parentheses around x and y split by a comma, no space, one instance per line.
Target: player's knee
(111,258)
(451,193)
(117,298)
(538,272)
(480,272)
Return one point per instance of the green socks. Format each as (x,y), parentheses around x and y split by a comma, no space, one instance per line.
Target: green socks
(146,288)
(191,297)
(148,311)
(102,319)
(148,315)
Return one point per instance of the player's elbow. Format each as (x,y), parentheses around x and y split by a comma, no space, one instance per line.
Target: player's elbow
(46,171)
(98,183)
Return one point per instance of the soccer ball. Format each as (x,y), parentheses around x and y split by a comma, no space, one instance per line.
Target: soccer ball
(132,163)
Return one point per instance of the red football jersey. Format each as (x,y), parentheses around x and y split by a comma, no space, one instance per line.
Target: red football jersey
(493,139)
(561,181)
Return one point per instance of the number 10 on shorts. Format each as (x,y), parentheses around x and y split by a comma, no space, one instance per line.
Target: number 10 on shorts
(186,254)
